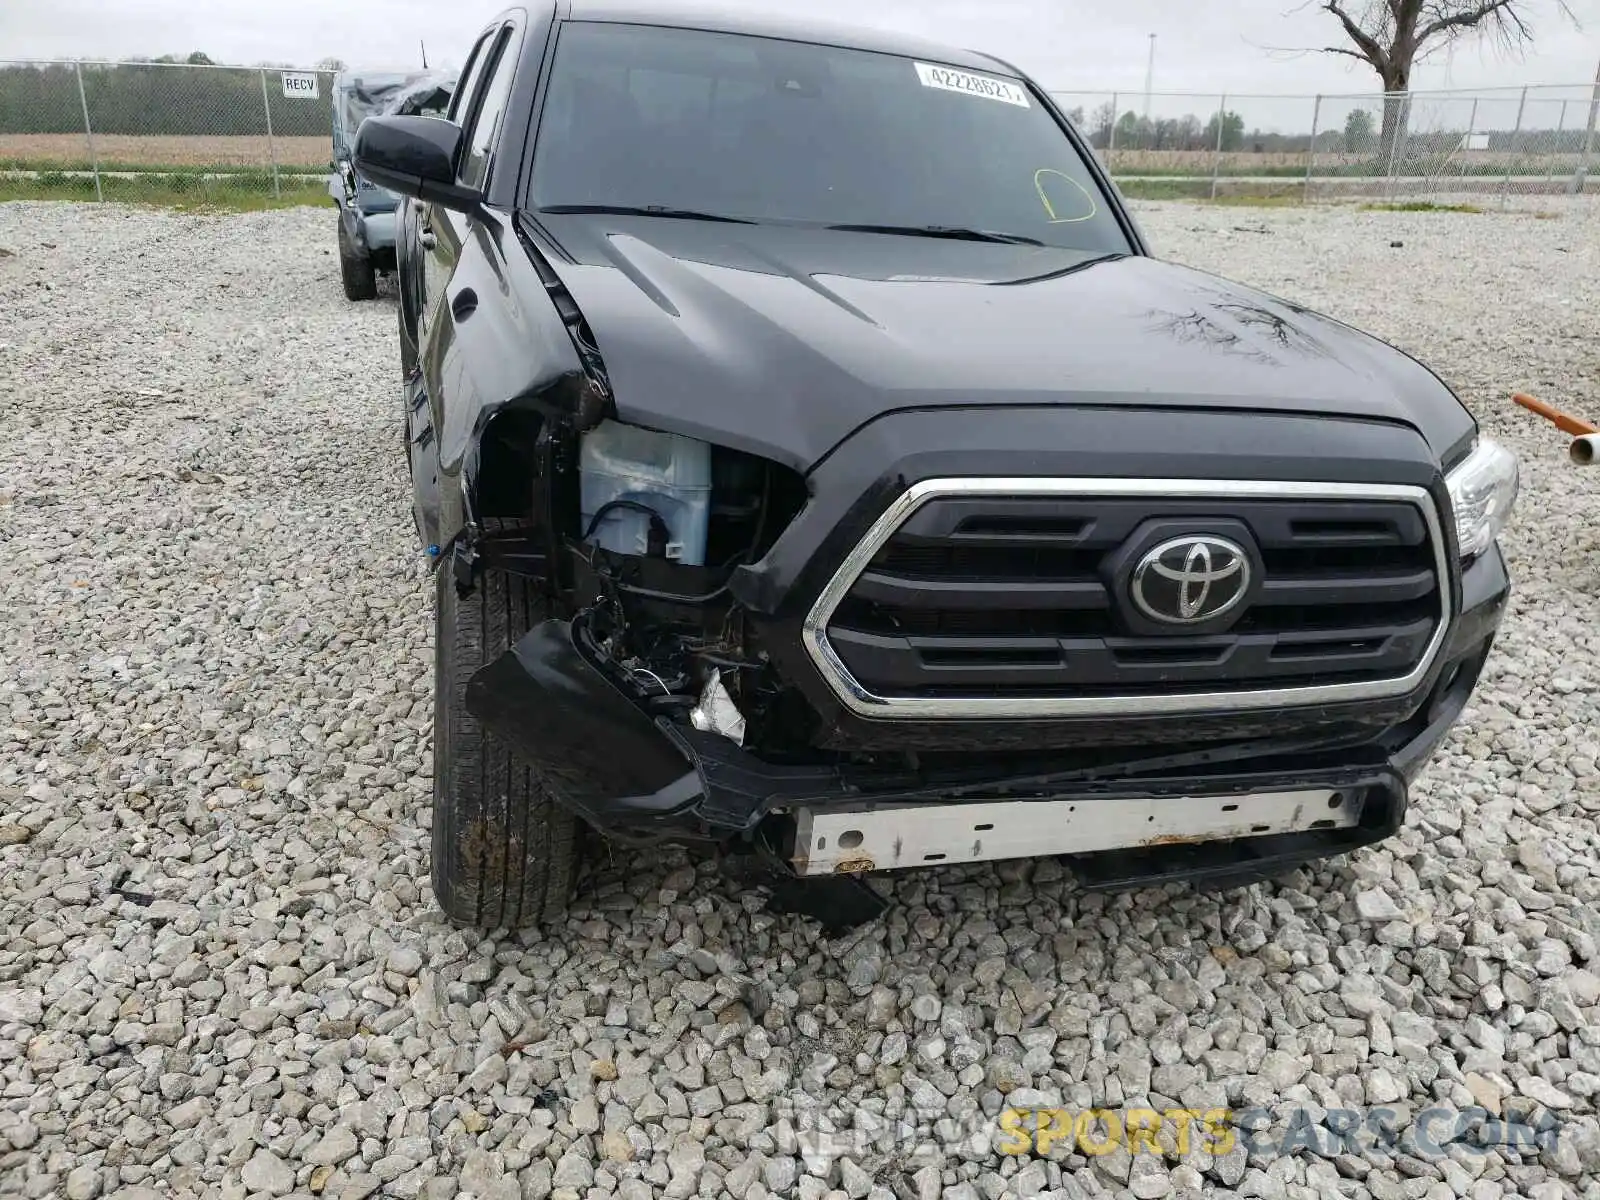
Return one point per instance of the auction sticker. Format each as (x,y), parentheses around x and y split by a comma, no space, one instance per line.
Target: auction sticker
(951,80)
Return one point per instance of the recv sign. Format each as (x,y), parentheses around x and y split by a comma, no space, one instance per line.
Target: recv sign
(300,83)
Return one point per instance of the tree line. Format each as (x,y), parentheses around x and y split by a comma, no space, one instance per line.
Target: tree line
(1359,134)
(155,97)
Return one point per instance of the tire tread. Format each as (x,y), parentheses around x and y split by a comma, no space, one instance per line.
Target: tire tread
(505,850)
(358,275)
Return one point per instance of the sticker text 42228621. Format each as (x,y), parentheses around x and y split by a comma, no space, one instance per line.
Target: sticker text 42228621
(986,86)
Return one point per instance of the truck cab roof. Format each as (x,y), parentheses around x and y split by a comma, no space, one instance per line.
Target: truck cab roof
(729,19)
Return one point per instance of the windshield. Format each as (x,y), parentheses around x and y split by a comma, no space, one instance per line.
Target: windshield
(765,130)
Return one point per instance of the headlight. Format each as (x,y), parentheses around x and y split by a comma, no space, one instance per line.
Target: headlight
(1482,490)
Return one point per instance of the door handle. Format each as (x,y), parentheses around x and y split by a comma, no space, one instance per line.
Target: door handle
(425,238)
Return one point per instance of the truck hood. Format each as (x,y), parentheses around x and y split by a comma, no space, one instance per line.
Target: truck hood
(782,341)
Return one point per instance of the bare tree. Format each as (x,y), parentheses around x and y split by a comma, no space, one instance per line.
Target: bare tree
(1392,36)
(1104,118)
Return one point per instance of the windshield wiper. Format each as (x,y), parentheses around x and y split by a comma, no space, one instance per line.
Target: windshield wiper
(644,210)
(954,232)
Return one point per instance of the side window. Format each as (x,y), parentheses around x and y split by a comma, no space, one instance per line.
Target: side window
(486,124)
(467,88)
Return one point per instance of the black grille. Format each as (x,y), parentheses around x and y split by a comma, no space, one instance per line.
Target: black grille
(1012,597)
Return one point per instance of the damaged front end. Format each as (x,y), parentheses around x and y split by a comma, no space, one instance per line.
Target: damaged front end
(638,696)
(642,694)
(634,767)
(628,762)
(662,691)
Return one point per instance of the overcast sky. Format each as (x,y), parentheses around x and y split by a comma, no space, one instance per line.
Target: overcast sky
(1202,45)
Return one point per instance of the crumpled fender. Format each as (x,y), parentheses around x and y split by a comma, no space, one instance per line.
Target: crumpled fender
(499,346)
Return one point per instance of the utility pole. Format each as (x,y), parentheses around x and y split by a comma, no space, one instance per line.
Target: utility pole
(1149,76)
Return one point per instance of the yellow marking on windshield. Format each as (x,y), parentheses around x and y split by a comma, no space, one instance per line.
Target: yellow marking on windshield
(1038,186)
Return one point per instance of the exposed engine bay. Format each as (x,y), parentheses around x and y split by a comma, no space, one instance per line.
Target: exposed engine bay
(654,563)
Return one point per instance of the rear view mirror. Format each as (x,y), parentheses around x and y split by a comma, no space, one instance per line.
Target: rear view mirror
(415,156)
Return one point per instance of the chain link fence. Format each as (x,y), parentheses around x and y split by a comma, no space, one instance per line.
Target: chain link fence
(1532,147)
(149,130)
(158,130)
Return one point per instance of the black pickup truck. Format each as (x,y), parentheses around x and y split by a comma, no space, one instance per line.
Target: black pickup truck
(819,466)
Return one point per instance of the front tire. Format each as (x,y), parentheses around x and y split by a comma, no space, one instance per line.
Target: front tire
(505,852)
(356,272)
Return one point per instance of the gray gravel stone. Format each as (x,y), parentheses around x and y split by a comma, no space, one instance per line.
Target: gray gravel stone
(1030,1181)
(83,1183)
(573,1170)
(779,1174)
(338,1144)
(1544,1092)
(266,1172)
(406,960)
(1149,1179)
(1377,907)
(585,1115)
(855,1181)
(738,1181)
(22,1005)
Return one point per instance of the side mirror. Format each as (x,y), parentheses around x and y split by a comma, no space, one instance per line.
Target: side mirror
(415,156)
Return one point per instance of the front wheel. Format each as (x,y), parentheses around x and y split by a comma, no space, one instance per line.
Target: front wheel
(505,852)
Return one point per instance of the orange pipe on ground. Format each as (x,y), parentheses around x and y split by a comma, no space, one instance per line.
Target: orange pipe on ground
(1572,425)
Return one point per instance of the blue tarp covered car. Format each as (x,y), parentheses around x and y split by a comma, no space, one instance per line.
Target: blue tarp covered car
(366,211)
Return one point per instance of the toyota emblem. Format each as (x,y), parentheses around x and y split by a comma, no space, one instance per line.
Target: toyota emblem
(1187,580)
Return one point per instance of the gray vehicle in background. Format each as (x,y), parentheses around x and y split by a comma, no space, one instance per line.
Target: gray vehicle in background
(366,211)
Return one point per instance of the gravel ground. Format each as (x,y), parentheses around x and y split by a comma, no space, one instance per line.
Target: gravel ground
(221,974)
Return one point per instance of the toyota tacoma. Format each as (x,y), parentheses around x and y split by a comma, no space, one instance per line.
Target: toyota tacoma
(819,468)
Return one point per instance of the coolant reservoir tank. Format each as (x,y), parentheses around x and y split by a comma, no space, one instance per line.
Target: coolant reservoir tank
(664,472)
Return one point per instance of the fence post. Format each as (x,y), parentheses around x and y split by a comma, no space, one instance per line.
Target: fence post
(1311,151)
(272,148)
(1555,151)
(1588,139)
(88,131)
(1516,139)
(1402,117)
(1216,154)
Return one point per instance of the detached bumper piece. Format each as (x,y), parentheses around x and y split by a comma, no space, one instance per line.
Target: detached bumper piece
(636,777)
(605,756)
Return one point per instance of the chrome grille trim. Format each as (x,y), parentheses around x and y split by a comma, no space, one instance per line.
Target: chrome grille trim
(868,704)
